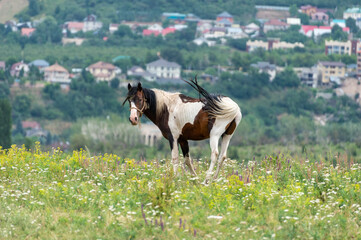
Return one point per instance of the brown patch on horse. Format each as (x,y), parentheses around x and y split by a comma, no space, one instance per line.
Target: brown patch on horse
(186,99)
(231,127)
(201,127)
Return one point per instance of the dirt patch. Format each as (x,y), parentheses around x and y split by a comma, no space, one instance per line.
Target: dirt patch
(8,8)
(272,14)
(352,86)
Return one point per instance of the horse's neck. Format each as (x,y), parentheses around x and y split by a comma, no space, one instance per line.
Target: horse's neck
(155,111)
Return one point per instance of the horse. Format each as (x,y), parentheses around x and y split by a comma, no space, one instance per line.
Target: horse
(181,118)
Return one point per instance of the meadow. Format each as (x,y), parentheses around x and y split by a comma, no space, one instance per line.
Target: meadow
(56,195)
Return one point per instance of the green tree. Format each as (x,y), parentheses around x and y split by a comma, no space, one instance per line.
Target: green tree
(338,34)
(293,10)
(114,83)
(287,78)
(47,31)
(34,7)
(172,54)
(351,23)
(22,104)
(5,123)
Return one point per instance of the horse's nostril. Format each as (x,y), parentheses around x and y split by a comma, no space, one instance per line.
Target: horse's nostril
(136,119)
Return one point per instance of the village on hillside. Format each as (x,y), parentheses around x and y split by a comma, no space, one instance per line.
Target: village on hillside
(340,78)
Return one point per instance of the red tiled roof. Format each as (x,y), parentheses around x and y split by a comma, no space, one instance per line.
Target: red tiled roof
(147,32)
(275,22)
(168,30)
(102,65)
(30,124)
(75,25)
(55,68)
(27,31)
(307,28)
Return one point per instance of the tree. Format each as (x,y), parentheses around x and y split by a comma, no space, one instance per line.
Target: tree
(287,78)
(338,34)
(172,54)
(5,123)
(351,23)
(114,83)
(47,31)
(22,104)
(34,7)
(293,10)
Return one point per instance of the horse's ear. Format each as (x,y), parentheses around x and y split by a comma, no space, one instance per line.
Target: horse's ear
(129,86)
(140,87)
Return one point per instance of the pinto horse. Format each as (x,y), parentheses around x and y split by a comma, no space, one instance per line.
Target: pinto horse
(181,118)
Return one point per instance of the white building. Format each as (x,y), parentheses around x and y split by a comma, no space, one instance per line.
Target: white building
(164,69)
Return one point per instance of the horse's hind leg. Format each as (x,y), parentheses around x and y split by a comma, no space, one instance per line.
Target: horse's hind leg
(224,146)
(185,149)
(214,155)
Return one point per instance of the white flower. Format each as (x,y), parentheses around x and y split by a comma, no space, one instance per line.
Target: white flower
(214,217)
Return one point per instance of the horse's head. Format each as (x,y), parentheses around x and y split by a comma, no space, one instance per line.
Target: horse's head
(137,103)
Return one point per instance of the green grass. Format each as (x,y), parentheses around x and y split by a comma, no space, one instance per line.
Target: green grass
(52,195)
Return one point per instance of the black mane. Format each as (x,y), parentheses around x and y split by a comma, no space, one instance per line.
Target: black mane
(210,100)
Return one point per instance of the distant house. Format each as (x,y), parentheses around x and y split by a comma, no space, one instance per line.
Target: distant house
(91,23)
(164,69)
(308,9)
(75,41)
(139,72)
(39,64)
(337,47)
(271,44)
(340,22)
(293,21)
(266,67)
(320,17)
(251,29)
(317,31)
(354,13)
(224,23)
(2,66)
(168,30)
(173,16)
(216,32)
(56,74)
(27,32)
(148,32)
(274,24)
(74,27)
(358,70)
(113,27)
(30,125)
(11,24)
(224,16)
(201,41)
(330,70)
(103,71)
(309,77)
(236,33)
(16,68)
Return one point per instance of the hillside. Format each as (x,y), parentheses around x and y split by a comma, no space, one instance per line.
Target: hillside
(146,10)
(9,8)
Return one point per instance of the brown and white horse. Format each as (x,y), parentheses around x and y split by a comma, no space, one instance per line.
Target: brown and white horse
(181,118)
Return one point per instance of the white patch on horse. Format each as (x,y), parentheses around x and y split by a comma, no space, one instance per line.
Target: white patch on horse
(164,99)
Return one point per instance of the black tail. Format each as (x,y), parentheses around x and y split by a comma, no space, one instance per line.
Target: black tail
(210,101)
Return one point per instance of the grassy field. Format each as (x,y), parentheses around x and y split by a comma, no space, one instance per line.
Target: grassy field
(52,195)
(8,8)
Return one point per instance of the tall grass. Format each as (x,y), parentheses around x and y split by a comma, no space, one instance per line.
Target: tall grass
(52,195)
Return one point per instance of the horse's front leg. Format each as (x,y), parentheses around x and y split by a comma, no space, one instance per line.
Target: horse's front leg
(174,147)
